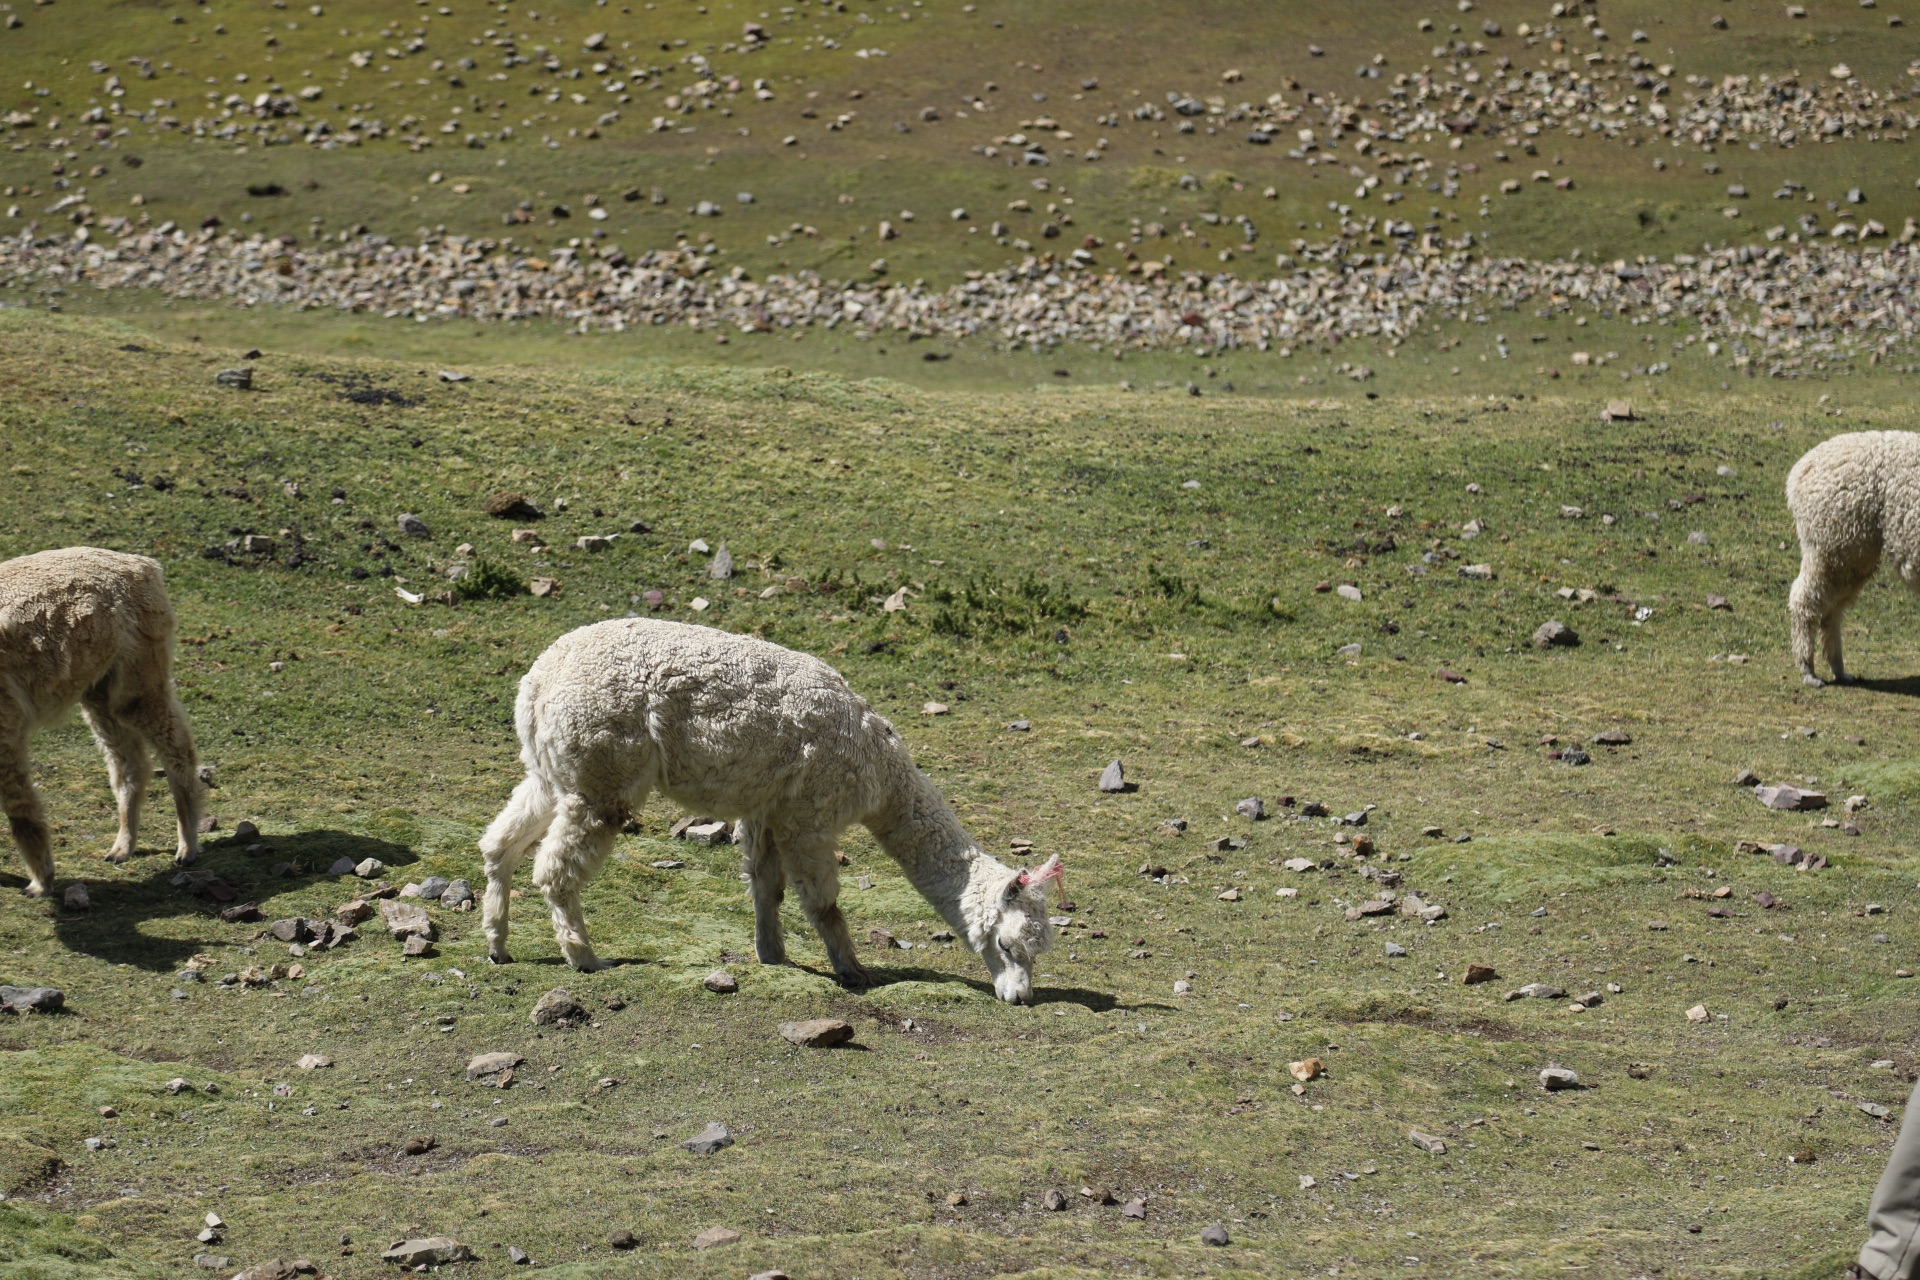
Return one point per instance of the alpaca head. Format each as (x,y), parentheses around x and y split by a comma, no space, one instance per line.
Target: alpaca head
(1020,931)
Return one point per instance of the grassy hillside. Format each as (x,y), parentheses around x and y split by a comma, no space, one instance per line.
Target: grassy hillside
(1197,648)
(842,116)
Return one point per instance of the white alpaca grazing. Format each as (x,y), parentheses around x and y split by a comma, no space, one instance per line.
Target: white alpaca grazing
(94,627)
(1854,498)
(743,729)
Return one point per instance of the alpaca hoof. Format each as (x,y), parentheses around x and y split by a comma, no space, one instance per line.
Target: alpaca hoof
(34,891)
(770,955)
(589,963)
(1811,680)
(118,855)
(854,978)
(1841,677)
(499,957)
(182,857)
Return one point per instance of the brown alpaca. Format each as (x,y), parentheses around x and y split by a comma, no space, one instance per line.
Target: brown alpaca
(94,627)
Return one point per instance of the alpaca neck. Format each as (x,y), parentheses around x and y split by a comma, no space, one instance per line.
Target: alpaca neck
(919,831)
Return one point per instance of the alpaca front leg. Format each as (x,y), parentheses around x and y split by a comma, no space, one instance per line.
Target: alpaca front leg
(570,855)
(769,881)
(1804,613)
(126,758)
(811,866)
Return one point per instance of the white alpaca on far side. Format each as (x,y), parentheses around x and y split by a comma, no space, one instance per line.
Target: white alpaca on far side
(743,729)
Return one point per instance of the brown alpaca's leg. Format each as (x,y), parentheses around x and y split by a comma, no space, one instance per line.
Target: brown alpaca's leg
(810,865)
(769,879)
(157,714)
(1817,605)
(126,757)
(24,812)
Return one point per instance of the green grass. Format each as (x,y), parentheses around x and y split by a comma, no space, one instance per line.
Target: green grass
(888,159)
(1192,623)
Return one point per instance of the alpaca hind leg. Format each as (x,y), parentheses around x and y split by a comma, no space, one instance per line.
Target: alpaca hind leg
(571,853)
(1816,606)
(160,718)
(517,829)
(769,879)
(126,757)
(810,865)
(24,812)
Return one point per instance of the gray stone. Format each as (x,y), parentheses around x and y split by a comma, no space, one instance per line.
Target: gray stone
(721,566)
(406,919)
(1395,950)
(32,999)
(593,543)
(1427,1142)
(1554,1079)
(517,1256)
(1790,798)
(458,894)
(492,1064)
(238,379)
(1053,1202)
(817,1033)
(1553,634)
(1537,991)
(431,1251)
(556,1006)
(709,1140)
(1252,807)
(76,898)
(341,867)
(413,526)
(1113,778)
(368,868)
(433,886)
(720,982)
(709,833)
(1215,1235)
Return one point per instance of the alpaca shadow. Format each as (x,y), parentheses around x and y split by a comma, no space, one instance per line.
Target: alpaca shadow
(114,929)
(1905,686)
(1094,1001)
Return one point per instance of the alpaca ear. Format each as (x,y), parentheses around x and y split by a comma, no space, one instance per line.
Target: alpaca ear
(1015,883)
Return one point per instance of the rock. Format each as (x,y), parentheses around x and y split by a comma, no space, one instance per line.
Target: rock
(353,913)
(1395,950)
(313,1062)
(1537,991)
(517,1256)
(1613,738)
(1698,1013)
(1230,895)
(1478,973)
(341,867)
(1252,807)
(275,1269)
(593,543)
(492,1064)
(1875,1110)
(774,1274)
(505,504)
(1718,603)
(32,999)
(406,919)
(413,526)
(433,886)
(721,566)
(1790,798)
(211,1262)
(713,1237)
(1053,1202)
(1617,411)
(1113,778)
(542,587)
(1574,757)
(76,898)
(708,833)
(291,930)
(721,982)
(1136,1209)
(369,868)
(238,379)
(416,945)
(1215,1235)
(1477,572)
(1427,1142)
(1554,1079)
(1347,591)
(1307,1069)
(1746,778)
(431,1251)
(418,1146)
(556,1007)
(709,1140)
(458,895)
(817,1033)
(1553,634)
